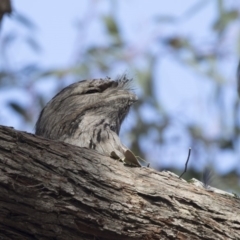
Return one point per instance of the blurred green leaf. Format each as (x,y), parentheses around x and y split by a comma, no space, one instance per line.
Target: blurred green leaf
(20,110)
(166,19)
(225,19)
(24,21)
(59,73)
(17,108)
(112,28)
(33,44)
(195,8)
(177,42)
(226,144)
(220,7)
(238,45)
(8,38)
(145,78)
(111,25)
(41,101)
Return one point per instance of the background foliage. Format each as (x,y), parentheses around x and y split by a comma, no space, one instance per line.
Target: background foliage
(208,118)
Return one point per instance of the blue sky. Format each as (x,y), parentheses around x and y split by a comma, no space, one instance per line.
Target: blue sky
(57,23)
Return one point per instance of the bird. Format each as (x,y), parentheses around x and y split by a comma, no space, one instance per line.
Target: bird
(89,114)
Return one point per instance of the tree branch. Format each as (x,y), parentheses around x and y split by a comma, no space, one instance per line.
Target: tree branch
(52,190)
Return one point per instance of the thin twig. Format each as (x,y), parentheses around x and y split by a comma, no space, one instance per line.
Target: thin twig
(189,153)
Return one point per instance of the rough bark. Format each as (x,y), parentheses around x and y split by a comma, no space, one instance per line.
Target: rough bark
(52,190)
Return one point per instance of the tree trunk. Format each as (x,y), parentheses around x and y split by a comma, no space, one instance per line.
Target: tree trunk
(53,190)
(5,7)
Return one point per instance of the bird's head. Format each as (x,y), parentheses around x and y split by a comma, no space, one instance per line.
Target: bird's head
(90,102)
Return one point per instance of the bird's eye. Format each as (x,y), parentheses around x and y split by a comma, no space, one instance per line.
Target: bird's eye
(92,91)
(113,128)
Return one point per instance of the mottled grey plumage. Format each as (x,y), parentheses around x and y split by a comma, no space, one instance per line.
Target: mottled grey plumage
(88,114)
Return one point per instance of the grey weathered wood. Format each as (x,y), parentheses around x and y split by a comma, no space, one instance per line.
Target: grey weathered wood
(52,190)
